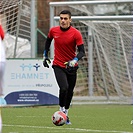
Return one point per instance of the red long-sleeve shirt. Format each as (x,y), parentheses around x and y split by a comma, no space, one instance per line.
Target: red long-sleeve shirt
(65,43)
(1,32)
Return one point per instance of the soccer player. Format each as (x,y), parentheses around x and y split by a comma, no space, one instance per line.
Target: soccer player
(65,64)
(2,68)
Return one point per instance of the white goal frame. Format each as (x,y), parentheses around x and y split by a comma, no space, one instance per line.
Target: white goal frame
(54,19)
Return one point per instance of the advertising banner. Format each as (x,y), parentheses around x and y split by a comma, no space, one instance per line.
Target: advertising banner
(27,82)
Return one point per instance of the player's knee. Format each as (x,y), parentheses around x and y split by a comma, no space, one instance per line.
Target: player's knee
(63,90)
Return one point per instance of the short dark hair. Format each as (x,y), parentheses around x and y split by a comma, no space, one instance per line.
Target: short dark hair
(66,12)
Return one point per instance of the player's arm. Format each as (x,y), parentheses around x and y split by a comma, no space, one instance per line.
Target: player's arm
(81,53)
(45,54)
(47,46)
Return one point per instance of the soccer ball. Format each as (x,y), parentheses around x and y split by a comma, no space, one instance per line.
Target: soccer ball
(59,118)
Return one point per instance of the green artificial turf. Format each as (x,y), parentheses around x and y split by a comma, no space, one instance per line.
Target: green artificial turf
(84,118)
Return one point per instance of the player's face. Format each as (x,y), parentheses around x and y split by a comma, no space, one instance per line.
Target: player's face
(65,20)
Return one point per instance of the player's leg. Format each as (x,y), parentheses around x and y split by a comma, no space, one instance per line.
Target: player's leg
(71,81)
(61,79)
(2,69)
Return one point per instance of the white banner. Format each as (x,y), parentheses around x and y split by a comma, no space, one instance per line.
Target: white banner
(26,81)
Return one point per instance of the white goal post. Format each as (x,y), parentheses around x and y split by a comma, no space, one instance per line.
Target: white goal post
(107,31)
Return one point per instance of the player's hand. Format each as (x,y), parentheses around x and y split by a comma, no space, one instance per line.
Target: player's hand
(46,62)
(71,63)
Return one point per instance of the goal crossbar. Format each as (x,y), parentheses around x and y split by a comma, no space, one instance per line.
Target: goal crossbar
(122,17)
(89,2)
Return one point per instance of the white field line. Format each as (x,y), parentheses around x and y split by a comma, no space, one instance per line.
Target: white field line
(70,129)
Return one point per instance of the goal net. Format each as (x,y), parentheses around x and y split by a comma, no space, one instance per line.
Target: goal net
(106,70)
(15,19)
